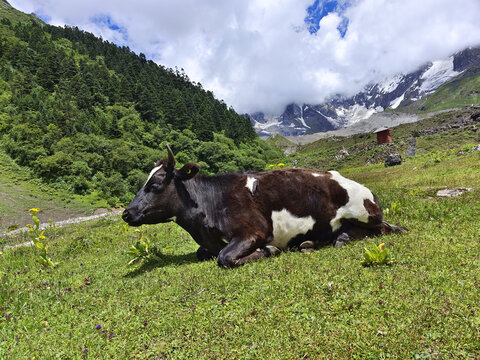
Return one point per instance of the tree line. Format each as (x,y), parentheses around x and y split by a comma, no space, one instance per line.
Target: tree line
(88,115)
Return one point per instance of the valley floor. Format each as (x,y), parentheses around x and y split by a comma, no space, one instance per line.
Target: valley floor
(387,119)
(320,305)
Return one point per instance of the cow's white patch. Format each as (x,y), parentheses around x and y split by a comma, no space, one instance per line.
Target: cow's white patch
(286,226)
(316,174)
(251,182)
(154,170)
(354,208)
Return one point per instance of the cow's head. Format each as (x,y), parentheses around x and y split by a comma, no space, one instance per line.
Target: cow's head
(158,199)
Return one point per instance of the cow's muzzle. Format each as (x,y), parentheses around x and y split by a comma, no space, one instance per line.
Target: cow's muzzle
(129,218)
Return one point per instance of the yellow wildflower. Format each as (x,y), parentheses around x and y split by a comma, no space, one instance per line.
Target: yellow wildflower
(34,210)
(281,164)
(381,246)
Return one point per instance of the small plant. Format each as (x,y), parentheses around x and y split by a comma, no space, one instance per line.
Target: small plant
(414,192)
(377,255)
(438,157)
(12,227)
(124,228)
(393,209)
(38,237)
(143,251)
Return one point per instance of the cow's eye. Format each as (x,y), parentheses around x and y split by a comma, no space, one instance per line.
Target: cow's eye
(156,188)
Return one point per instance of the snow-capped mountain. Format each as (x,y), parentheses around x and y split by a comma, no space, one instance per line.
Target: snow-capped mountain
(397,91)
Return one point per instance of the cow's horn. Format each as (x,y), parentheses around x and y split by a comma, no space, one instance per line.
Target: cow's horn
(171,158)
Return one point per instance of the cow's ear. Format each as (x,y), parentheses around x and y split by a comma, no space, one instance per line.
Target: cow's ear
(187,172)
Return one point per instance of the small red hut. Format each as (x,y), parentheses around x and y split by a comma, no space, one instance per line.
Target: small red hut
(383,135)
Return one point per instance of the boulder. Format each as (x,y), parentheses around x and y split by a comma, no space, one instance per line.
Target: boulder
(452,192)
(393,160)
(411,148)
(343,153)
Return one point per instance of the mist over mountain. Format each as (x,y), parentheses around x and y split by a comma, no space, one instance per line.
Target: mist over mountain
(402,91)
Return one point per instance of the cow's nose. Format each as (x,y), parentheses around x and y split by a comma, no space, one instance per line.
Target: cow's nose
(126,215)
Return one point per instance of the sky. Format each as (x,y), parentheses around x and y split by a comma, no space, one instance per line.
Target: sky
(261,55)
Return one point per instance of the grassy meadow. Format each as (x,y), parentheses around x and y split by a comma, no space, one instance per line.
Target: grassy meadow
(461,91)
(363,149)
(320,305)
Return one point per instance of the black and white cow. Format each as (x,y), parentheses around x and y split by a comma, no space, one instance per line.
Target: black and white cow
(240,217)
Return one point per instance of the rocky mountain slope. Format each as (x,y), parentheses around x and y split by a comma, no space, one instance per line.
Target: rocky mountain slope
(401,91)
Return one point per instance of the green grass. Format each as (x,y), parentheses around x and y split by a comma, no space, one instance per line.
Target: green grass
(20,191)
(10,13)
(461,91)
(363,148)
(320,305)
(280,141)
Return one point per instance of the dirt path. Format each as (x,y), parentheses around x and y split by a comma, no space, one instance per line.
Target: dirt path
(62,223)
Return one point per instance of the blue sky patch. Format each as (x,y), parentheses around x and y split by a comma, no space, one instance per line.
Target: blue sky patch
(44,17)
(106,21)
(321,8)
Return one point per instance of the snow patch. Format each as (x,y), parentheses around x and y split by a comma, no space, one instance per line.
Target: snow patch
(390,84)
(302,121)
(271,121)
(440,72)
(395,103)
(355,113)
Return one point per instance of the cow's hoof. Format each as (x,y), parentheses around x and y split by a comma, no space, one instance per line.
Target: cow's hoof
(307,244)
(341,240)
(339,244)
(272,250)
(307,250)
(203,254)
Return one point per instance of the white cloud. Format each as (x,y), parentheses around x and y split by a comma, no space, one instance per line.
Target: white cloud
(259,55)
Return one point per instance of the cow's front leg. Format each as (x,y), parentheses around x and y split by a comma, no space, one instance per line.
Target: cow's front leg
(240,251)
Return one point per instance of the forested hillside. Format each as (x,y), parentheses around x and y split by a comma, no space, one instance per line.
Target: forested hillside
(87,115)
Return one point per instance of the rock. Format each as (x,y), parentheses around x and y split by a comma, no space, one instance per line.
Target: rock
(476,148)
(342,153)
(393,160)
(461,153)
(411,148)
(452,192)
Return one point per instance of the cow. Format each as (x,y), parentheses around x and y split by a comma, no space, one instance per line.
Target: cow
(241,217)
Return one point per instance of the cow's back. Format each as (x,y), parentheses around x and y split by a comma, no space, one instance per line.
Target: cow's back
(302,204)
